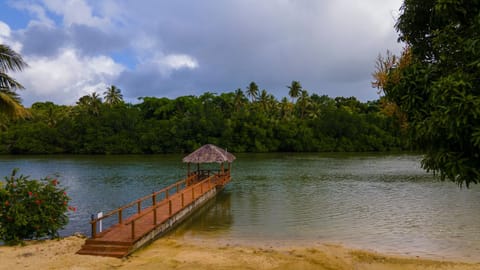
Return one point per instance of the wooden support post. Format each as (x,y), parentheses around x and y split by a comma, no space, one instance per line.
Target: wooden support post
(183,200)
(120,218)
(133,229)
(139,207)
(169,207)
(154,199)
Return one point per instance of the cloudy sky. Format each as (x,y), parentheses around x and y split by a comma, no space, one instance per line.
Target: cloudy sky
(186,47)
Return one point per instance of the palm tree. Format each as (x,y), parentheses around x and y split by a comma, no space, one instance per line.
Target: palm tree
(286,107)
(303,101)
(10,103)
(295,89)
(113,95)
(239,99)
(264,99)
(252,90)
(90,103)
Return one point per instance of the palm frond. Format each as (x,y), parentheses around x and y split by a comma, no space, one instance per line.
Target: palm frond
(11,106)
(10,60)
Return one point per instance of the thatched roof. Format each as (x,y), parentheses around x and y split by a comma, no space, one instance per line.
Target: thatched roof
(209,153)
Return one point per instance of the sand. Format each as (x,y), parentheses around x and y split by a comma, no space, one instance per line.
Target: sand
(178,253)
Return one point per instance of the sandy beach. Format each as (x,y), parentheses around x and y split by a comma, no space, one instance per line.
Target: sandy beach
(177,253)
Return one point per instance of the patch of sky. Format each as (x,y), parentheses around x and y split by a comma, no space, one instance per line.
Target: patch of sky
(125,58)
(14,18)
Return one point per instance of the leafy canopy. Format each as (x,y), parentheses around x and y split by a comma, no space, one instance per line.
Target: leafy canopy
(436,83)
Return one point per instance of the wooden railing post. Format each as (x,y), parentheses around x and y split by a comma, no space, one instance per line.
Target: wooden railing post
(169,207)
(166,193)
(139,207)
(177,187)
(133,229)
(183,200)
(120,218)
(94,228)
(201,188)
(193,193)
(154,199)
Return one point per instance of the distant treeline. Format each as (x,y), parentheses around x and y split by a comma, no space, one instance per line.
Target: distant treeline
(253,121)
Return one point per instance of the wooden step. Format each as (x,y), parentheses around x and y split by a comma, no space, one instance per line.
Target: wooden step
(107,242)
(105,248)
(116,254)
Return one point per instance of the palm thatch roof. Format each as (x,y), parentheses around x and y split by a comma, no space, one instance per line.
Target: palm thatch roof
(209,153)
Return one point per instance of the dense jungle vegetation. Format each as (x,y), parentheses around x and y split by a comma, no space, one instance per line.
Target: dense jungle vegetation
(242,121)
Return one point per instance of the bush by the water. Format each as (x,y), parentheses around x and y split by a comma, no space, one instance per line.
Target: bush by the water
(31,208)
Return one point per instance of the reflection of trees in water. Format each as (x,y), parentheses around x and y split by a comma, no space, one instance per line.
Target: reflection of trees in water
(213,217)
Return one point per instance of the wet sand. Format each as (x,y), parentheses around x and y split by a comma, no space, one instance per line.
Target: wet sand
(178,253)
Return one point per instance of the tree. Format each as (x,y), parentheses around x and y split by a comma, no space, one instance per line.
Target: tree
(295,90)
(435,83)
(91,103)
(9,100)
(239,99)
(113,95)
(286,108)
(252,91)
(303,101)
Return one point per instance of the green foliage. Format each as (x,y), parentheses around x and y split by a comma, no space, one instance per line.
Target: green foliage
(31,208)
(10,105)
(437,84)
(162,125)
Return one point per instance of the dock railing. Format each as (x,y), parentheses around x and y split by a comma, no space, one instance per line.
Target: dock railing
(161,194)
(189,194)
(191,188)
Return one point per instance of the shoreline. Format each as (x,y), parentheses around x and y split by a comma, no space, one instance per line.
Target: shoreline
(176,252)
(287,244)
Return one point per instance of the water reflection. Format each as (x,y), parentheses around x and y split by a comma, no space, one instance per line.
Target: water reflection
(214,218)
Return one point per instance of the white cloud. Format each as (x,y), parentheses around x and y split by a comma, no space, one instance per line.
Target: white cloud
(166,64)
(75,12)
(38,12)
(5,37)
(4,32)
(65,78)
(178,61)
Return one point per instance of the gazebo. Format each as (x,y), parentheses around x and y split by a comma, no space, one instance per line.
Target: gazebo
(209,153)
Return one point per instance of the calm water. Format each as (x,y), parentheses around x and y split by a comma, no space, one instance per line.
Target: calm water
(374,201)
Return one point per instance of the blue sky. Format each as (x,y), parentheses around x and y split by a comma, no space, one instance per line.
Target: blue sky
(172,48)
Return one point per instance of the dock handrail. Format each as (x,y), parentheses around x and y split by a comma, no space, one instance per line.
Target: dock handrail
(193,181)
(167,200)
(138,202)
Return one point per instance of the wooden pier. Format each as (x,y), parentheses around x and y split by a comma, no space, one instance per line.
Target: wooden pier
(155,214)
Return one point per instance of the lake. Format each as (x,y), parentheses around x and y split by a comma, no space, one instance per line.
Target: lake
(383,202)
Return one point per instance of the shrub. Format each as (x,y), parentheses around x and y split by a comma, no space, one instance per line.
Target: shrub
(31,208)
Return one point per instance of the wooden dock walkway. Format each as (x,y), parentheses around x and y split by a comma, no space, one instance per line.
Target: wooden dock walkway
(161,211)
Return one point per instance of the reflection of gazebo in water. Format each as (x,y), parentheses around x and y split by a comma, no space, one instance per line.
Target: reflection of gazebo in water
(209,153)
